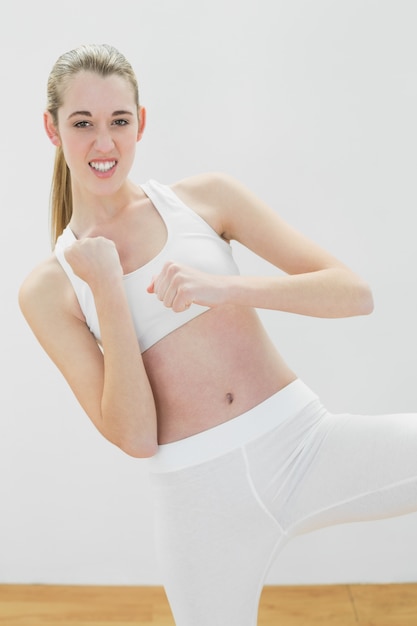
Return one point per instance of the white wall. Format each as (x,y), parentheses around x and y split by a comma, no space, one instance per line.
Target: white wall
(313,105)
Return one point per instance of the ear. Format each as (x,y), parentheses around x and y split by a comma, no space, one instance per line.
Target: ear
(51,129)
(142,122)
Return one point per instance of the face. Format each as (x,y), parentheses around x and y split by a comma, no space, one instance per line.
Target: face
(98,128)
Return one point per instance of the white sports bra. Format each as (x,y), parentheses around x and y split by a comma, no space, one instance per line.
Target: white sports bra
(190,241)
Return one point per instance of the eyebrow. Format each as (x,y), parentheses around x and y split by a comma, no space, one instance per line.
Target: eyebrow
(88,114)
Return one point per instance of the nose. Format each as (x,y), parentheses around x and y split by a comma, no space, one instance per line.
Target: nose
(104,141)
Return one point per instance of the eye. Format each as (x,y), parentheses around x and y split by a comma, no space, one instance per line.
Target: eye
(82,124)
(120,122)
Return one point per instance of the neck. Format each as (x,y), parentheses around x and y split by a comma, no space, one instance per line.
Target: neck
(91,211)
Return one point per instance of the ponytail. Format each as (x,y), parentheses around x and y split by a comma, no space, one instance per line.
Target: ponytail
(61,196)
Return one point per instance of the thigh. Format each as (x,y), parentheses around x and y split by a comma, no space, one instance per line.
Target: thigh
(354,468)
(215,542)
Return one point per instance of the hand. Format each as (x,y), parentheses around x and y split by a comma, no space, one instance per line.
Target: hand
(94,259)
(179,286)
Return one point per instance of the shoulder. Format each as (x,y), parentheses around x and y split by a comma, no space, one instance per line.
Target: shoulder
(45,283)
(40,278)
(227,202)
(207,186)
(215,196)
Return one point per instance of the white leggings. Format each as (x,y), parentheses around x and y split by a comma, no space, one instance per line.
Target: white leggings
(228,499)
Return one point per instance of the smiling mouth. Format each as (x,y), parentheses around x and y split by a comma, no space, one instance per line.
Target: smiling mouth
(102,166)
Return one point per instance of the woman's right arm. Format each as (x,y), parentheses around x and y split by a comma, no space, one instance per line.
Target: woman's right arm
(111,385)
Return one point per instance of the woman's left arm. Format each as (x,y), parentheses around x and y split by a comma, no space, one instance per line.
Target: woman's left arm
(312,282)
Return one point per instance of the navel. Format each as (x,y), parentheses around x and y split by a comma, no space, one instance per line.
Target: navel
(229,398)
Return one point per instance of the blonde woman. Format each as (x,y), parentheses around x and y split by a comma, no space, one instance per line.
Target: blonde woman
(142,308)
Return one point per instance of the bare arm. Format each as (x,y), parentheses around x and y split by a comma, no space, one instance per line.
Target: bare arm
(111,386)
(312,282)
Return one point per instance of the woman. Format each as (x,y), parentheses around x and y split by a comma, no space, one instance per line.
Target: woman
(142,308)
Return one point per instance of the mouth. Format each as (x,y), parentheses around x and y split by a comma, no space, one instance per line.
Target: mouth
(102,166)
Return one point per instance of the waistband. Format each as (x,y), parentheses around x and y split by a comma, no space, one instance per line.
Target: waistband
(235,433)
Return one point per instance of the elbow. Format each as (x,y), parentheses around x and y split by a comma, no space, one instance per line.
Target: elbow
(136,444)
(365,300)
(139,445)
(356,295)
(141,450)
(135,434)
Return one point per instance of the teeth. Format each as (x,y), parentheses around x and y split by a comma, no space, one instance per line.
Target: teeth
(102,166)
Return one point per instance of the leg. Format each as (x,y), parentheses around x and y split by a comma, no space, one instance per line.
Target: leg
(220,523)
(341,468)
(215,542)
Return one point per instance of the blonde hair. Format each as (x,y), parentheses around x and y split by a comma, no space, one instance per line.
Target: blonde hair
(104,60)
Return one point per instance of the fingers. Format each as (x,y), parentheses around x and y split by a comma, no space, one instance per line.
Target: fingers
(172,287)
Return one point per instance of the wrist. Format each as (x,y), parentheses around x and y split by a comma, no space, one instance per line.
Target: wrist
(109,292)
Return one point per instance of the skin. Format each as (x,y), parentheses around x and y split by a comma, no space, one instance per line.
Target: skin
(221,363)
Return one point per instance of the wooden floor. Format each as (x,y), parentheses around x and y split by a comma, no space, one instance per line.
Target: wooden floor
(340,605)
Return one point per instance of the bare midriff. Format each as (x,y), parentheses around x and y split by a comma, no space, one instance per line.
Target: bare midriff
(211,370)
